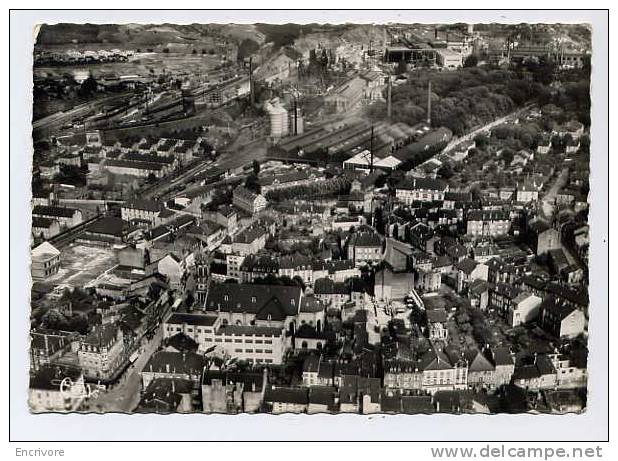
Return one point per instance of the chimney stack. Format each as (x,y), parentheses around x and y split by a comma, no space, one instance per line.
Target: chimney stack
(388,102)
(251,91)
(429,104)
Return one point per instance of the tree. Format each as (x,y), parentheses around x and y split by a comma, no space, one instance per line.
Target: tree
(445,171)
(88,86)
(252,183)
(471,61)
(246,48)
(256,167)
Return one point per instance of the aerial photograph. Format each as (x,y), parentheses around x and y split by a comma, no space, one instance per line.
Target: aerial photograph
(310,218)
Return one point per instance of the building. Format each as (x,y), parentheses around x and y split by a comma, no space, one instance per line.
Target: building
(543,238)
(67,217)
(449,58)
(437,324)
(264,305)
(186,366)
(175,268)
(428,281)
(365,247)
(56,389)
(468,270)
(287,399)
(487,223)
(255,344)
(278,117)
(502,297)
(332,294)
(524,309)
(481,371)
(146,210)
(233,392)
(561,319)
(165,395)
(249,241)
(256,267)
(248,201)
(527,192)
(101,352)
(45,228)
(504,363)
(47,346)
(420,190)
(346,96)
(442,372)
(45,261)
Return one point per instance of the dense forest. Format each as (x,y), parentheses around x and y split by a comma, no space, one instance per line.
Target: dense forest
(471,96)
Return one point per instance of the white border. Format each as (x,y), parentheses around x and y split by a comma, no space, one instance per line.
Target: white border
(590,426)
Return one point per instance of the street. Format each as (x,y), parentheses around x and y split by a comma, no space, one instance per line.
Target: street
(548,201)
(126,394)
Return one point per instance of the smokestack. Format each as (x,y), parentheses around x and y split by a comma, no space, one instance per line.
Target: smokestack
(435,33)
(371,150)
(429,104)
(295,118)
(251,91)
(388,102)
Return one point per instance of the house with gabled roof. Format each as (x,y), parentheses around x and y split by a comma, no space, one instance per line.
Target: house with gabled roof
(45,261)
(443,372)
(481,370)
(469,270)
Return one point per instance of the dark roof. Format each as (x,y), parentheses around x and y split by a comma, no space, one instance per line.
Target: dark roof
(557,308)
(249,330)
(477,362)
(322,395)
(467,265)
(251,381)
(179,363)
(502,356)
(287,395)
(182,343)
(101,335)
(326,286)
(108,225)
(44,223)
(253,298)
(365,239)
(192,319)
(62,212)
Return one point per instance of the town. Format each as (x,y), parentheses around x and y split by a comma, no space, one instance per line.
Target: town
(310,218)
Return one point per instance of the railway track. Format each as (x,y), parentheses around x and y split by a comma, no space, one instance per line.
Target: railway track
(66,237)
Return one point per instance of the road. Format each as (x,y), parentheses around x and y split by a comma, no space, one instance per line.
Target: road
(470,136)
(549,199)
(125,395)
